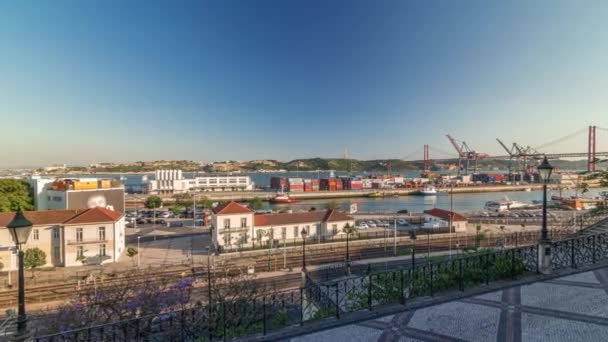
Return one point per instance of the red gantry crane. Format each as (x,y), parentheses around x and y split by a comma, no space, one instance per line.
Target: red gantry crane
(467,157)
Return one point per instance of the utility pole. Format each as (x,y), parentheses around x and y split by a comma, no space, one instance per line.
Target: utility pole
(451,215)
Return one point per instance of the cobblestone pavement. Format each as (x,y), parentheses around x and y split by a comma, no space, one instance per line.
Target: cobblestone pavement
(571,308)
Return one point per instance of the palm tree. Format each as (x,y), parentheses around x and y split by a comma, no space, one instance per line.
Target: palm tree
(332,205)
(348,229)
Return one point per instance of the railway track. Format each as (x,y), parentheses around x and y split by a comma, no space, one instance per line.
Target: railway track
(277,261)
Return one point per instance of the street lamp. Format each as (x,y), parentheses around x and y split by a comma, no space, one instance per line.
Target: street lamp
(20,229)
(544,170)
(138,252)
(544,247)
(303,233)
(413,238)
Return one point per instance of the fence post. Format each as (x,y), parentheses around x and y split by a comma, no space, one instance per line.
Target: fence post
(487,268)
(338,300)
(137,330)
(301,306)
(572,254)
(460,275)
(181,332)
(402,286)
(223,320)
(594,249)
(513,264)
(369,291)
(431,280)
(264,315)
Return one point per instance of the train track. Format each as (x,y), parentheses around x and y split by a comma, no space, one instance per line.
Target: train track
(277,261)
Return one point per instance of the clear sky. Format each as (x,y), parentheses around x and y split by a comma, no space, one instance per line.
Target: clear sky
(88,81)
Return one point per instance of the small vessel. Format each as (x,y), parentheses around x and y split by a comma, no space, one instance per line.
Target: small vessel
(504,204)
(427,191)
(376,194)
(282,197)
(556,198)
(528,189)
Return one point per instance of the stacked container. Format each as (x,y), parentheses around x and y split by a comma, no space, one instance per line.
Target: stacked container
(278,183)
(296,185)
(315,185)
(308,185)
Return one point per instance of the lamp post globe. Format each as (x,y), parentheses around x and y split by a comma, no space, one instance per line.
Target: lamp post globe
(545,170)
(20,228)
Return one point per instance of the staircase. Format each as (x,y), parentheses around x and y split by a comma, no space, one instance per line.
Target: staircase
(598,227)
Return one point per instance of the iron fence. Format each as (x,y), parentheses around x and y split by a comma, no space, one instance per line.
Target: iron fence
(232,318)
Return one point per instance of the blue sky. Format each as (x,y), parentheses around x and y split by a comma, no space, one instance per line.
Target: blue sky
(91,81)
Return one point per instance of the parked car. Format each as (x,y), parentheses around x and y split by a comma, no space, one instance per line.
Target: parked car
(402,222)
(372,225)
(141,221)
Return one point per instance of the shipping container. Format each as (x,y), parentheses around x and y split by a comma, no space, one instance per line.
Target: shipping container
(85,185)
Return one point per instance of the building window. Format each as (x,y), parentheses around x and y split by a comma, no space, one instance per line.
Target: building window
(222,180)
(259,234)
(36,234)
(79,234)
(244,222)
(295,232)
(334,229)
(227,240)
(79,252)
(226,223)
(102,233)
(284,233)
(56,255)
(102,250)
(307,229)
(55,233)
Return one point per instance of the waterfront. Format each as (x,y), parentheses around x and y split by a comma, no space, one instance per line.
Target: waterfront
(461,202)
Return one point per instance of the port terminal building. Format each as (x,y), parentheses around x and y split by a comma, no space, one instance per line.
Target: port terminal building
(174,182)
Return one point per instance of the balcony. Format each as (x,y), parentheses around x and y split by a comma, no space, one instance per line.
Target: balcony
(87,241)
(234,230)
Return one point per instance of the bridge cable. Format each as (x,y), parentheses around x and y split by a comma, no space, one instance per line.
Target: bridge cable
(566,137)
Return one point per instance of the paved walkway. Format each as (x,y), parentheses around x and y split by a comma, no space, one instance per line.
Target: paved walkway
(571,308)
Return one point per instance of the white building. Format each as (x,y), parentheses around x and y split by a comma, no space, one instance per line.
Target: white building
(235,226)
(68,237)
(438,218)
(172,181)
(52,193)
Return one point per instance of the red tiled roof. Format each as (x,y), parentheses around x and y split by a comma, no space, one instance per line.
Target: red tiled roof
(445,214)
(336,215)
(301,217)
(79,216)
(94,215)
(232,208)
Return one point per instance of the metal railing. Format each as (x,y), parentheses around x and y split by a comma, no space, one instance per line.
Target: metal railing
(233,318)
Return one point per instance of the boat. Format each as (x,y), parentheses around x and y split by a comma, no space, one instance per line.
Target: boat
(282,197)
(427,191)
(376,194)
(556,198)
(504,204)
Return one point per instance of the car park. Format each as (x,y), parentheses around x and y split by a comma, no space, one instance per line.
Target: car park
(372,225)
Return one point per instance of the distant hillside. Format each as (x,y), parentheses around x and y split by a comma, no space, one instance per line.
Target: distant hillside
(312,164)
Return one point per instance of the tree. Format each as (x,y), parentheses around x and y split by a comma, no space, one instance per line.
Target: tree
(34,257)
(153,202)
(184,199)
(131,252)
(256,203)
(333,204)
(14,195)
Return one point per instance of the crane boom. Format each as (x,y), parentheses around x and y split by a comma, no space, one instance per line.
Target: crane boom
(455,144)
(505,147)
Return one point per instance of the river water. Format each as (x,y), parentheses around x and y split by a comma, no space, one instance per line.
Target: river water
(461,202)
(417,204)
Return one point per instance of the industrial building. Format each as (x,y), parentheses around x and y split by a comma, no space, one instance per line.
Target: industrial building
(173,182)
(68,237)
(77,193)
(236,226)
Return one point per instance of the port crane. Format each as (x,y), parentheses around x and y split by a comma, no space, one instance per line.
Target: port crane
(466,155)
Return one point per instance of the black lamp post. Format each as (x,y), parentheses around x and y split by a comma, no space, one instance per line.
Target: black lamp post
(20,229)
(544,170)
(304,233)
(413,237)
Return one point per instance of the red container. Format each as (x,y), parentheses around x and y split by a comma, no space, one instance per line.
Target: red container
(375,185)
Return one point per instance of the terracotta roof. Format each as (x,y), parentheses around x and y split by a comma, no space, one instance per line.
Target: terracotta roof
(44,217)
(94,215)
(232,208)
(336,215)
(445,214)
(301,217)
